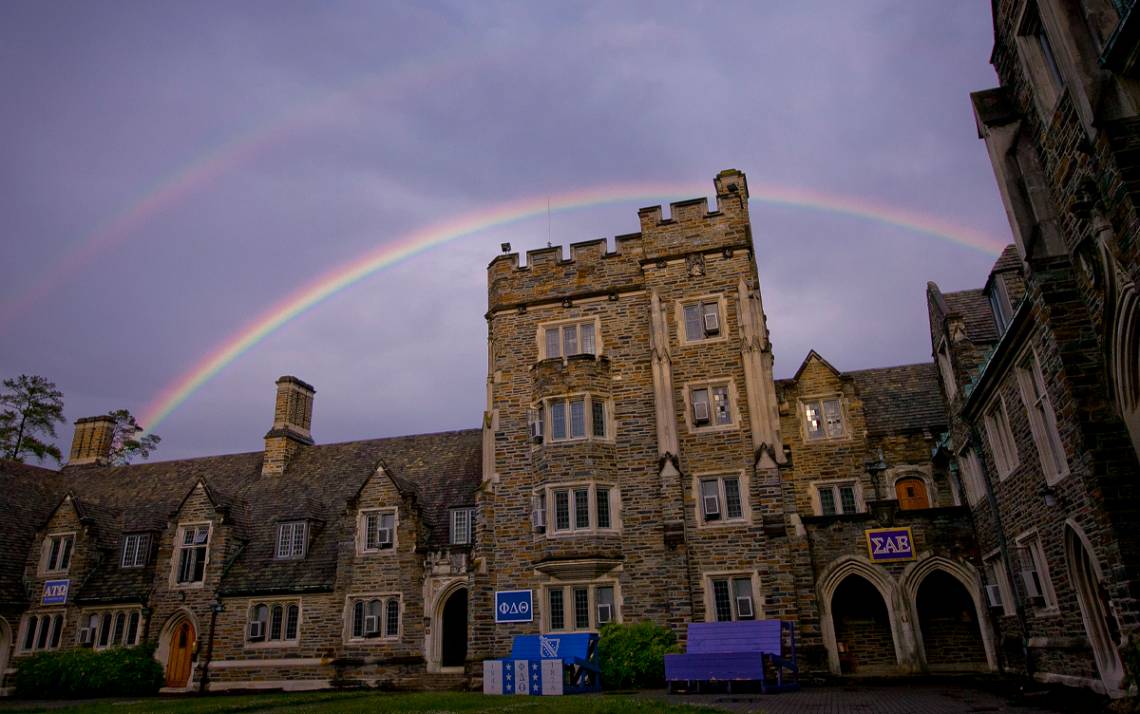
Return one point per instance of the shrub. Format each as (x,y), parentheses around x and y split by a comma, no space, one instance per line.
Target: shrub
(634,655)
(128,671)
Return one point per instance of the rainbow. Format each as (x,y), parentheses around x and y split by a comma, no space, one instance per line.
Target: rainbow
(412,244)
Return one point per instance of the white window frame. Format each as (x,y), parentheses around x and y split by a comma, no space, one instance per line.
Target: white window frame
(970,474)
(139,552)
(45,555)
(179,546)
(1000,304)
(1029,546)
(996,575)
(569,621)
(560,325)
(362,547)
(461,534)
(721,303)
(283,641)
(588,400)
(382,632)
(572,488)
(820,400)
(999,434)
(743,484)
(290,551)
(55,634)
(729,384)
(1043,426)
(732,576)
(834,485)
(110,615)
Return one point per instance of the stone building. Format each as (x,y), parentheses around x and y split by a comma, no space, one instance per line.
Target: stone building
(637,461)
(1041,367)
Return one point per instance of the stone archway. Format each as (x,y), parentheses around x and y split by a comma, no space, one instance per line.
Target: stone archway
(1100,622)
(949,626)
(963,575)
(830,581)
(177,648)
(453,633)
(862,628)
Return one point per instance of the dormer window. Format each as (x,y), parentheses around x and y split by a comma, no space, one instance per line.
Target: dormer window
(291,540)
(57,552)
(377,531)
(823,418)
(192,554)
(462,526)
(136,550)
(999,303)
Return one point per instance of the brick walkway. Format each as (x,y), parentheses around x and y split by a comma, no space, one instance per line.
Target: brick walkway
(916,698)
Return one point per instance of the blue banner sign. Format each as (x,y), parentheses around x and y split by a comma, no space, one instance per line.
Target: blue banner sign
(55,592)
(514,606)
(887,545)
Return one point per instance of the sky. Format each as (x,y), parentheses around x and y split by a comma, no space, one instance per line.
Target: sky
(171,172)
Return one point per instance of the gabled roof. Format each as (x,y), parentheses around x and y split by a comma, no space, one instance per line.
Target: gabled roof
(812,354)
(974,308)
(901,399)
(30,494)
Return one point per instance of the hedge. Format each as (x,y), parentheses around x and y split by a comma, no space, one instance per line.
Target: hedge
(74,673)
(633,656)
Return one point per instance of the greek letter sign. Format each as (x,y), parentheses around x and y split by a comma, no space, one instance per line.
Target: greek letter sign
(887,545)
(514,606)
(55,592)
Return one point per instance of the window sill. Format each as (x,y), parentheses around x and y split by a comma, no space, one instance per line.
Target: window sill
(684,342)
(275,644)
(581,532)
(1044,612)
(387,639)
(189,586)
(725,523)
(714,429)
(381,551)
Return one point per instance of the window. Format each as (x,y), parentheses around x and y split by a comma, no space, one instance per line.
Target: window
(576,417)
(1042,420)
(57,552)
(945,367)
(136,550)
(999,594)
(580,606)
(823,418)
(732,598)
(999,303)
(193,552)
(108,628)
(374,617)
(377,531)
(462,526)
(568,339)
(1035,574)
(970,473)
(1039,60)
(720,499)
(42,632)
(582,507)
(702,320)
(291,540)
(838,498)
(274,622)
(1001,438)
(710,405)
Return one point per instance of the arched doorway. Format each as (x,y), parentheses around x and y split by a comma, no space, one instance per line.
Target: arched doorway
(863,637)
(453,640)
(180,654)
(1101,625)
(948,621)
(911,493)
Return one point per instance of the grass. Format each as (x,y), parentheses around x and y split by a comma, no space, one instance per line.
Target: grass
(364,701)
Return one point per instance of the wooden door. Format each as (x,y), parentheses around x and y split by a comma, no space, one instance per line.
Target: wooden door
(181,650)
(912,494)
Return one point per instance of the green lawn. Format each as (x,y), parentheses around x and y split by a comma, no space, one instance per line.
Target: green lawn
(367,701)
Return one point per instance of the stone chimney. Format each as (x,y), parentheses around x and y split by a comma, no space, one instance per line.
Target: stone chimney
(292,416)
(92,441)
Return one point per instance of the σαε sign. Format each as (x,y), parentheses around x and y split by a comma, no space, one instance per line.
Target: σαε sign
(55,592)
(889,544)
(514,606)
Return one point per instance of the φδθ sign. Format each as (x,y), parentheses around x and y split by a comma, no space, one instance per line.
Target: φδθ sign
(890,544)
(514,606)
(55,592)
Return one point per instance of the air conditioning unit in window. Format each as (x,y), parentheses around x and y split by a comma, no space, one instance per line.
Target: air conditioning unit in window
(385,539)
(536,431)
(701,412)
(605,613)
(993,595)
(87,636)
(1032,586)
(712,506)
(371,626)
(744,607)
(538,518)
(712,323)
(256,631)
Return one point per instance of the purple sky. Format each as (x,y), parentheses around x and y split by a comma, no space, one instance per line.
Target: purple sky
(334,127)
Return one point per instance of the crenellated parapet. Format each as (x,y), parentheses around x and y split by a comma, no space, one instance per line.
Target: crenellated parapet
(592,270)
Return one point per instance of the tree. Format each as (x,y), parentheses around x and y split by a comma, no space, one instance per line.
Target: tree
(32,406)
(128,440)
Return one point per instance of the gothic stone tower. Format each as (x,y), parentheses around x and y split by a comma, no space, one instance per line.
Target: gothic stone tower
(631,442)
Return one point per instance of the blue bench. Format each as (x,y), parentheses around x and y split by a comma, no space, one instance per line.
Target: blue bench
(578,670)
(742,651)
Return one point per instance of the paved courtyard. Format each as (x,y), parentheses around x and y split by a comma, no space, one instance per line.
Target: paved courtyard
(910,698)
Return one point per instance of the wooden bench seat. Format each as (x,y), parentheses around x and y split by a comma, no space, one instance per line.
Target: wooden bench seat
(742,651)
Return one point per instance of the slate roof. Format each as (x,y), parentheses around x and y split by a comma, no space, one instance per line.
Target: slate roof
(437,471)
(974,308)
(899,399)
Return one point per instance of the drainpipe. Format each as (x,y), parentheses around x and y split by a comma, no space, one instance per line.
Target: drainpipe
(203,682)
(1003,546)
